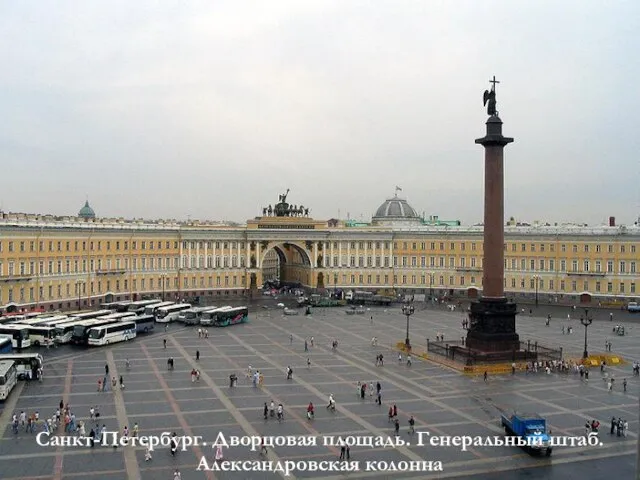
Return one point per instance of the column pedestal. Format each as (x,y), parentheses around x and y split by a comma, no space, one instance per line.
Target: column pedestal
(492,326)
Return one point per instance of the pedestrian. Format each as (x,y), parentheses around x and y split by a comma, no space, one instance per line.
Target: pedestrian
(308,362)
(397,426)
(485,375)
(290,339)
(343,448)
(121,383)
(164,342)
(306,346)
(174,444)
(147,455)
(412,424)
(177,475)
(390,414)
(106,372)
(624,385)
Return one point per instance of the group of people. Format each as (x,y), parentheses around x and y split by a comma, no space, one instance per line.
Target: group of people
(619,427)
(203,333)
(195,375)
(401,360)
(102,382)
(272,411)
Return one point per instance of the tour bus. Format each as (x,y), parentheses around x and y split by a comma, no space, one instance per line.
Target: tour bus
(153,309)
(80,335)
(19,335)
(116,306)
(5,344)
(41,335)
(209,316)
(139,306)
(12,318)
(171,312)
(114,333)
(27,364)
(144,323)
(90,315)
(192,316)
(8,378)
(64,330)
(231,316)
(47,322)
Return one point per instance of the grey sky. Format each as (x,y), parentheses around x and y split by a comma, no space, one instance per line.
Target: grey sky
(211,109)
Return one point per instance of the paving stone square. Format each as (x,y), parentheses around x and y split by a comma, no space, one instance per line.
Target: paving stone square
(443,401)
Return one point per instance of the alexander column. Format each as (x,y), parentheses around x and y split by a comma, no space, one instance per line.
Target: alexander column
(493,318)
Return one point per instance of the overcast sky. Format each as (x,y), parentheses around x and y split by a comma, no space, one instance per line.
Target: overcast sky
(167,109)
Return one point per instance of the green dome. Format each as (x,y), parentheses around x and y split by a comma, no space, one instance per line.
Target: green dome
(87,211)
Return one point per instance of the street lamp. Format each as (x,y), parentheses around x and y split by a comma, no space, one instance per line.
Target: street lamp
(586,321)
(408,310)
(78,286)
(163,278)
(335,285)
(431,286)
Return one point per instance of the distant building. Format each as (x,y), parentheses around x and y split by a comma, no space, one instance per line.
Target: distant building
(71,262)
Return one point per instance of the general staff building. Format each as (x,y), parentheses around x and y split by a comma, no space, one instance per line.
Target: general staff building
(49,262)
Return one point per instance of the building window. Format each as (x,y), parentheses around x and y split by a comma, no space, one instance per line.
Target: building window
(586,266)
(633,287)
(623,267)
(562,285)
(621,287)
(610,287)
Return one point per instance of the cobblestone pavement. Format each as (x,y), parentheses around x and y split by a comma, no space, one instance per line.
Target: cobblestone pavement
(443,401)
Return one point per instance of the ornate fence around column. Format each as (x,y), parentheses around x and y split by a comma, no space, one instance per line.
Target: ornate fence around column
(457,351)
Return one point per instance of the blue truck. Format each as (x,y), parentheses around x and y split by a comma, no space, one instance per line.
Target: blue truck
(530,428)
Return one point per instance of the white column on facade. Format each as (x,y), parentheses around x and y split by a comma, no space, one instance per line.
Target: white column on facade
(189,255)
(324,254)
(238,255)
(198,254)
(205,254)
(247,261)
(332,255)
(213,254)
(391,254)
(258,259)
(373,254)
(357,254)
(314,261)
(181,254)
(339,254)
(349,254)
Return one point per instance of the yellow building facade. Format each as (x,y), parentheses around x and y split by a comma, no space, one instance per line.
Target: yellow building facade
(76,262)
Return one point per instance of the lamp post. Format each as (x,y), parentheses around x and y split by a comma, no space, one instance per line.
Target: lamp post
(408,309)
(536,279)
(431,286)
(335,285)
(586,320)
(163,279)
(79,287)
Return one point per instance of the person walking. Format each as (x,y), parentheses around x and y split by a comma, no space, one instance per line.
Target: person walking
(197,355)
(164,342)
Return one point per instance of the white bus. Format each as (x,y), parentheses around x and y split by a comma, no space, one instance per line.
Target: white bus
(114,333)
(116,306)
(48,322)
(153,309)
(64,330)
(209,316)
(90,315)
(170,313)
(80,333)
(139,306)
(192,316)
(8,378)
(27,364)
(144,323)
(41,335)
(19,335)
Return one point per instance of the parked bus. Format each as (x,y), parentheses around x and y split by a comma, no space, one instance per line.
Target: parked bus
(139,306)
(27,364)
(64,330)
(19,335)
(153,309)
(12,318)
(231,316)
(144,323)
(117,307)
(47,322)
(5,344)
(41,335)
(80,334)
(209,316)
(8,378)
(114,333)
(192,316)
(90,315)
(170,313)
